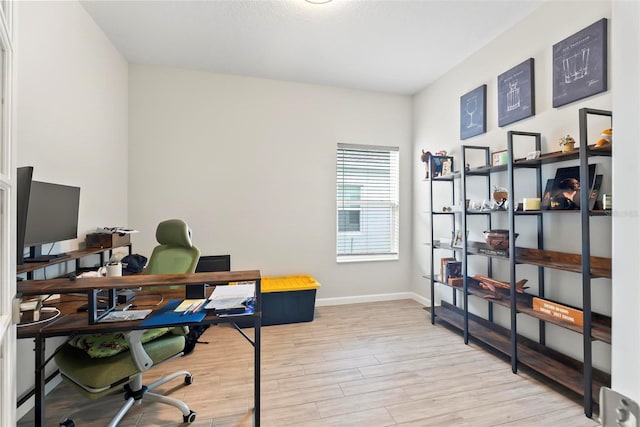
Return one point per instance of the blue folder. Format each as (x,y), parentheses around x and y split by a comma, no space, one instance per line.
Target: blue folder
(166,316)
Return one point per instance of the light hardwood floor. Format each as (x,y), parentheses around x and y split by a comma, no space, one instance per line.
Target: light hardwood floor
(372,364)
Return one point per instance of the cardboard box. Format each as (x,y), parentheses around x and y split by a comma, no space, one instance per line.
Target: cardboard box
(107,240)
(558,311)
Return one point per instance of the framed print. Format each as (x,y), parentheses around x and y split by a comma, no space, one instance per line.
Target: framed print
(499,158)
(565,192)
(473,112)
(516,96)
(580,64)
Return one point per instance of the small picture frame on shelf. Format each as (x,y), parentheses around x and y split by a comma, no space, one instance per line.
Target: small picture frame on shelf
(446,167)
(499,158)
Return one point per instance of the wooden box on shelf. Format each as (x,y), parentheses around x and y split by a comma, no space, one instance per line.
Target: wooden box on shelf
(559,311)
(107,240)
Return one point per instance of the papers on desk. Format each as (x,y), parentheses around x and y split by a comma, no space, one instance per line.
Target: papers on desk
(123,316)
(119,230)
(190,306)
(231,298)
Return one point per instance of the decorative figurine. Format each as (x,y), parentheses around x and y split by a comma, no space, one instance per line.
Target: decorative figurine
(500,196)
(567,143)
(606,137)
(436,163)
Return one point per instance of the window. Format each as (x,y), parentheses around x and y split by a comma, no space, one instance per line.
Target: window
(366,202)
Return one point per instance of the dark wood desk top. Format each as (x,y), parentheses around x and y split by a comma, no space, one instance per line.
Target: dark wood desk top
(70,322)
(65,286)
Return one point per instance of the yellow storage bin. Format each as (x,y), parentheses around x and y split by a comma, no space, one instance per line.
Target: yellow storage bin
(288,299)
(288,283)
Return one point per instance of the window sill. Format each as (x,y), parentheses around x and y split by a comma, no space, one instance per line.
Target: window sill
(366,258)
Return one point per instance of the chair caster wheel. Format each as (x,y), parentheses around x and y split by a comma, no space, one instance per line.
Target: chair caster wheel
(188,379)
(189,418)
(66,422)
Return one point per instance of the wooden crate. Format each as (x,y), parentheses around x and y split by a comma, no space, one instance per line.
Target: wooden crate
(107,240)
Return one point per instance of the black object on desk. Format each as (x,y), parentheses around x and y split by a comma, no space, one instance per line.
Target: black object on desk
(99,306)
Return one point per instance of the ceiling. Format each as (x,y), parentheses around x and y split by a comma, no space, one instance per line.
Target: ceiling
(391,46)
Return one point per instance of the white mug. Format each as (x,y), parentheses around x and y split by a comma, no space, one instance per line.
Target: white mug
(111,269)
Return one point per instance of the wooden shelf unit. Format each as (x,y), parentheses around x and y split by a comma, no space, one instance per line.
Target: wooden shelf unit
(543,360)
(30,267)
(579,377)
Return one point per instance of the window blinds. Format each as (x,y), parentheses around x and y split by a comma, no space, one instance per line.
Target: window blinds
(367,187)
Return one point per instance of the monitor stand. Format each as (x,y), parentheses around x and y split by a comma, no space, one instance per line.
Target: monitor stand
(35,255)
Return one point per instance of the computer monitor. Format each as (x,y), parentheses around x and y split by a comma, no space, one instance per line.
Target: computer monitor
(23,189)
(52,216)
(208,263)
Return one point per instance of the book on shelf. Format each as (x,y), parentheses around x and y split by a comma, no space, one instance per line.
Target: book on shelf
(452,269)
(443,263)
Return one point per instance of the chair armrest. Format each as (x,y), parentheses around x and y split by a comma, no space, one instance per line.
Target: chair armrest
(140,357)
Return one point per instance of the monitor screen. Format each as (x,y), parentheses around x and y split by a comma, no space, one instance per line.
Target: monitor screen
(23,180)
(52,215)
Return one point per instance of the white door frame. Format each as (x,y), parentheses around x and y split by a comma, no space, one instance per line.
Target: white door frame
(7,217)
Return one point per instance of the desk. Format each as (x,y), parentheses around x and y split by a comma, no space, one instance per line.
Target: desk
(71,323)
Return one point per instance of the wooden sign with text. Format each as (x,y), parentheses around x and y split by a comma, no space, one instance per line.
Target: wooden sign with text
(558,311)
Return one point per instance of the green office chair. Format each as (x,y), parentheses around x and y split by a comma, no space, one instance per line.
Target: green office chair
(101,364)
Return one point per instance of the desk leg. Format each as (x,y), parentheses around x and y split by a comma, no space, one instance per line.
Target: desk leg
(256,376)
(40,380)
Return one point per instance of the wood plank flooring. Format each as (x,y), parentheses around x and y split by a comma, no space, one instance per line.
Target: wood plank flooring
(371,364)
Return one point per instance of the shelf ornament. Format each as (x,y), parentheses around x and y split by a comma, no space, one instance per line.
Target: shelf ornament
(567,143)
(606,138)
(436,163)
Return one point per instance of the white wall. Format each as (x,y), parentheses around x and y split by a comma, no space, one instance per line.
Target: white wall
(250,164)
(626,229)
(71,120)
(436,126)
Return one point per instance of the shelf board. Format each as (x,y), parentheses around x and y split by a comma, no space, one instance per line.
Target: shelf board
(559,156)
(600,324)
(595,212)
(547,362)
(600,266)
(72,256)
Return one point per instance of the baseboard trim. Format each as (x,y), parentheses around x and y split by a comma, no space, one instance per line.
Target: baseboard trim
(372,298)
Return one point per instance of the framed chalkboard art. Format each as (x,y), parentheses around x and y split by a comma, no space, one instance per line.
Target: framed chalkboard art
(473,112)
(580,64)
(516,97)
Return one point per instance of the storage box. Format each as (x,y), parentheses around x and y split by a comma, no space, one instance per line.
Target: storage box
(107,240)
(286,299)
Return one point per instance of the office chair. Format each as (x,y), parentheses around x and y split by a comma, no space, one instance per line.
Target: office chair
(87,362)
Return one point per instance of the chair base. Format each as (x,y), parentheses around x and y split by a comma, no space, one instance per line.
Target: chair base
(135,392)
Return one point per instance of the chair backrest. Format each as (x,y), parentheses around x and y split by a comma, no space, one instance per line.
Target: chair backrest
(175,252)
